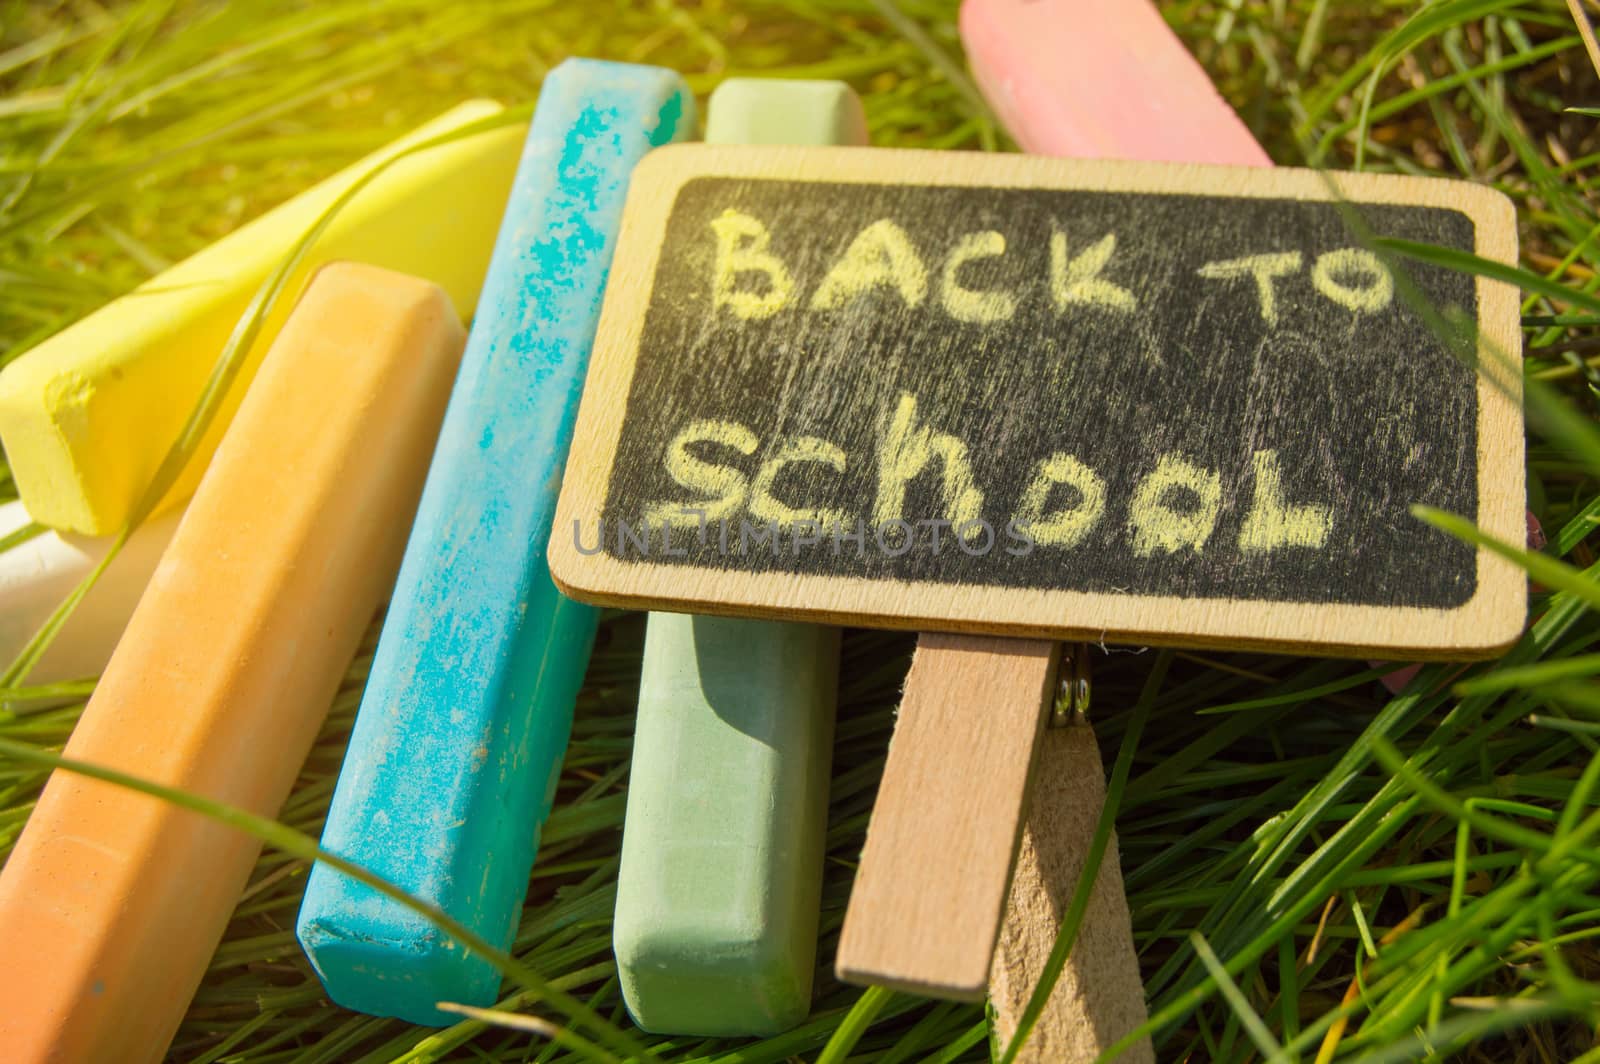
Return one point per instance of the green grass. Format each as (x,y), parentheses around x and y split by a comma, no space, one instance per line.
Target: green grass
(1316,870)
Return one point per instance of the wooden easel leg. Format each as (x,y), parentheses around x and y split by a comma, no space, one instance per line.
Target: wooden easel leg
(932,884)
(1099,997)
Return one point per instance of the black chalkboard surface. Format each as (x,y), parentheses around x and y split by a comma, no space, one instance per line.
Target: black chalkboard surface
(1024,396)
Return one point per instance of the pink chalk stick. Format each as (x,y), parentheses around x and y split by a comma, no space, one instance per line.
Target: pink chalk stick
(1092,79)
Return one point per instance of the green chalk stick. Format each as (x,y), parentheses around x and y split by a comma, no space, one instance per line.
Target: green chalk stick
(758,111)
(716,926)
(721,877)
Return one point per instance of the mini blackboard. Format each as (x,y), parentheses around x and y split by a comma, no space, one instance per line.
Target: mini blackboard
(949,391)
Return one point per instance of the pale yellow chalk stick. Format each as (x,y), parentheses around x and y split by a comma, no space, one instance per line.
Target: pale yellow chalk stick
(35,576)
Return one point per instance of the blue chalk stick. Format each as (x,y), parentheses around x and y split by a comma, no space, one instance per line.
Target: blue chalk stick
(458,744)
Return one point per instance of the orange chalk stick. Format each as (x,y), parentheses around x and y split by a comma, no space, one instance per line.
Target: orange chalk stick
(113,902)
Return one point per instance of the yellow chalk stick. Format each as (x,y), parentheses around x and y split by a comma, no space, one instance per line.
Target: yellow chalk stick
(112,902)
(88,415)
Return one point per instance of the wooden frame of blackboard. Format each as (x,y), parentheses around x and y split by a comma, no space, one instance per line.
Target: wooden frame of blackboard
(1484,625)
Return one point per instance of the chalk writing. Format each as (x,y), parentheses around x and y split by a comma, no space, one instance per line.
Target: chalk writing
(1170,394)
(752,283)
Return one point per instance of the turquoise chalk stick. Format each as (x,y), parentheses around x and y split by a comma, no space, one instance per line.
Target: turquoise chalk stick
(722,848)
(459,740)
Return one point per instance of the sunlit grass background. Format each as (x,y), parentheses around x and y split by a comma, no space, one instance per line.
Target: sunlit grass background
(1353,859)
